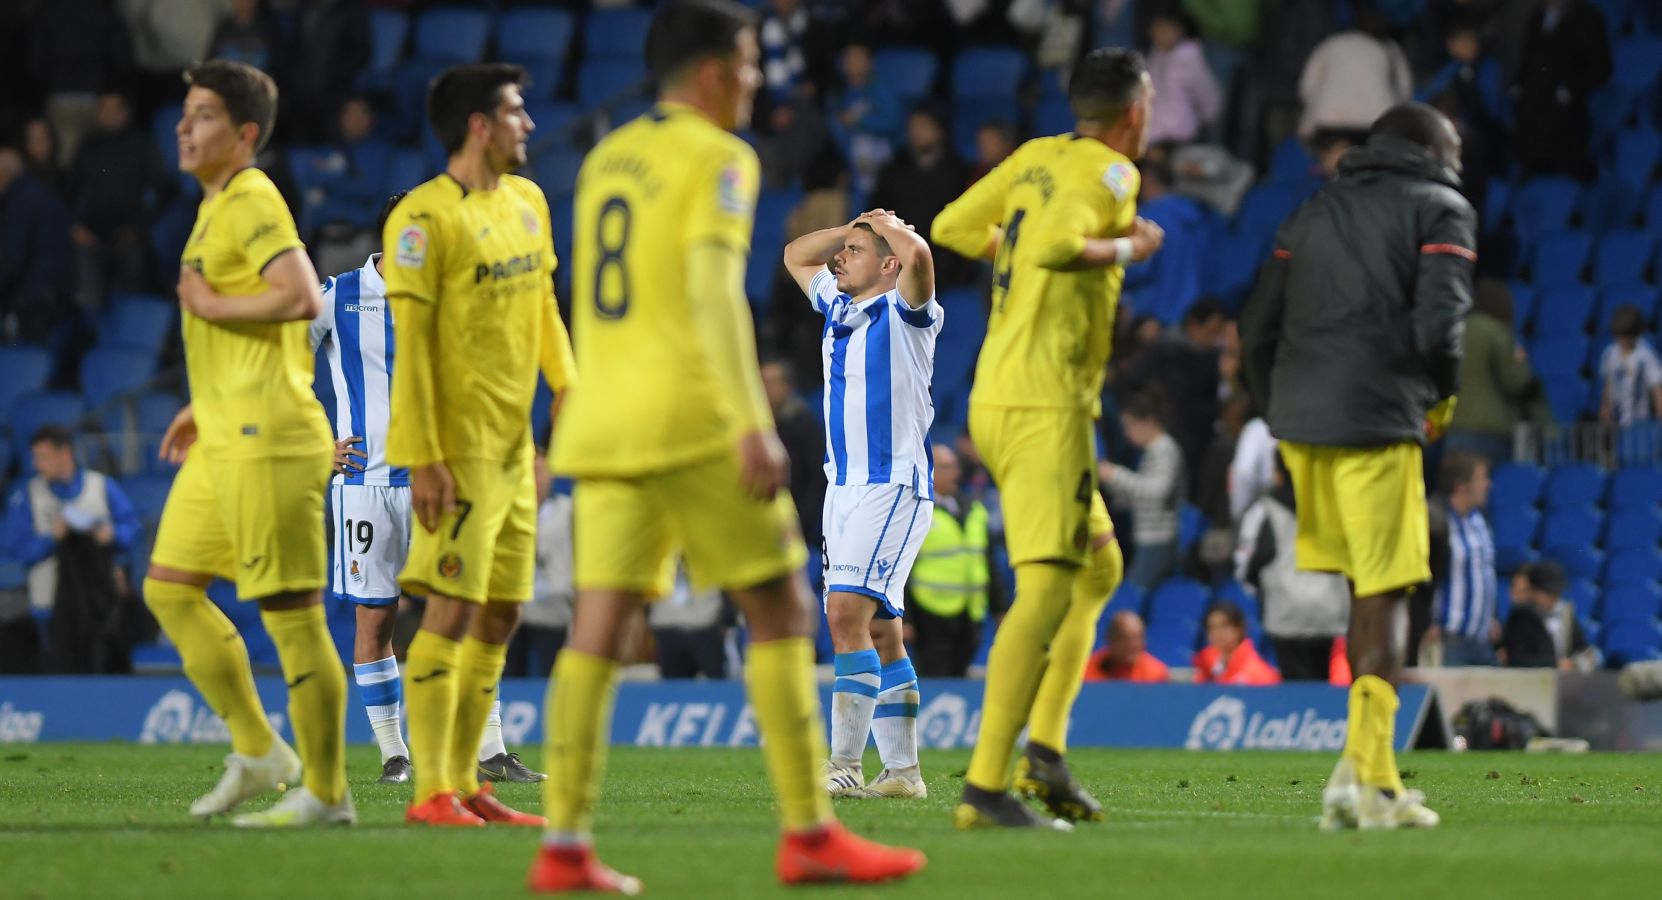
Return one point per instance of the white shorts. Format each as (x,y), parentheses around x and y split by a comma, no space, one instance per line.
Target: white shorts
(372,539)
(872,536)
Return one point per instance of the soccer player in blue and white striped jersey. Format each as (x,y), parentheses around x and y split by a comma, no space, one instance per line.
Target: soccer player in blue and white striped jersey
(1467,589)
(369,501)
(877,293)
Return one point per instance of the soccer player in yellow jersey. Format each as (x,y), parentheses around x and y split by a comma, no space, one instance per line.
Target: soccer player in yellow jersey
(469,265)
(256,450)
(1058,218)
(672,443)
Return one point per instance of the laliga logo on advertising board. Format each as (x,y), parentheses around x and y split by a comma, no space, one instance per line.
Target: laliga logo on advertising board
(20,726)
(946,721)
(176,719)
(1225,725)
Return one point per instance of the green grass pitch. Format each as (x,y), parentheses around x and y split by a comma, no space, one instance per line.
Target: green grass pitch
(109,821)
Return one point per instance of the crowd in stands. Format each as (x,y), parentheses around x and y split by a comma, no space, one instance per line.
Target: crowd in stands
(902,104)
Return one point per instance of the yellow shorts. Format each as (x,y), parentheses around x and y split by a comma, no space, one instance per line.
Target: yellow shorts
(487,548)
(627,532)
(1361,512)
(1044,464)
(257,522)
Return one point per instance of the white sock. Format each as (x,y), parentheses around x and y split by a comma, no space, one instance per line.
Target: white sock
(379,688)
(853,698)
(895,721)
(492,744)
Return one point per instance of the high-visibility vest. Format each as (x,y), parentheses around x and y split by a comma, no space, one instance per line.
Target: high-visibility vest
(950,575)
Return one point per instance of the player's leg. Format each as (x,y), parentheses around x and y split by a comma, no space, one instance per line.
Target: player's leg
(375,669)
(895,721)
(479,678)
(854,694)
(1042,771)
(371,542)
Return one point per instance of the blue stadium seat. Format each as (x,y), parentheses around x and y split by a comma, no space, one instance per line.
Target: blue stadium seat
(555,171)
(1560,258)
(1181,599)
(908,71)
(154,411)
(31,410)
(616,34)
(971,111)
(1233,591)
(556,121)
(1583,593)
(454,34)
(1635,156)
(1126,598)
(1633,600)
(1633,529)
(409,93)
(1578,560)
(1572,525)
(1562,313)
(1052,115)
(1629,639)
(1623,256)
(955,354)
(988,69)
(163,134)
(1652,214)
(1573,485)
(1497,205)
(1514,526)
(26,369)
(560,208)
(1609,205)
(1567,395)
(1636,488)
(140,322)
(409,168)
(1544,205)
(107,372)
(389,30)
(1292,162)
(1524,299)
(1173,641)
(535,33)
(631,108)
(599,80)
(1637,61)
(1635,566)
(1557,354)
(1516,484)
(148,494)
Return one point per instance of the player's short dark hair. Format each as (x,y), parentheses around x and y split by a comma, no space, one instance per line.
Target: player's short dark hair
(1147,405)
(249,94)
(1419,123)
(1627,321)
(1545,576)
(685,32)
(881,242)
(57,435)
(386,211)
(1106,82)
(1231,612)
(1459,468)
(460,91)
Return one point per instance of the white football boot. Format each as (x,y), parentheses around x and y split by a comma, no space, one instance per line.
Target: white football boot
(907,782)
(1339,797)
(844,781)
(300,808)
(1376,810)
(247,777)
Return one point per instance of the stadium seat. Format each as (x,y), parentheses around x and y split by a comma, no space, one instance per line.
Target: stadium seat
(163,134)
(1609,205)
(454,34)
(555,171)
(1633,566)
(1626,635)
(1630,600)
(409,93)
(535,33)
(1524,299)
(1574,484)
(107,372)
(631,108)
(1233,591)
(141,322)
(1637,61)
(1623,256)
(557,123)
(409,167)
(971,111)
(1635,156)
(1515,485)
(1560,258)
(30,411)
(1514,526)
(1578,560)
(616,34)
(1051,116)
(1556,354)
(1544,205)
(1562,313)
(389,30)
(1567,396)
(1181,599)
(1652,214)
(988,69)
(599,80)
(1633,529)
(148,493)
(1173,641)
(26,369)
(1126,598)
(1497,205)
(1583,593)
(907,71)
(1636,487)
(1572,525)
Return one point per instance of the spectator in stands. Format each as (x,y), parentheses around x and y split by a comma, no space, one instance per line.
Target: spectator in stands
(1329,145)
(1566,56)
(547,618)
(37,259)
(1542,632)
(1229,657)
(796,140)
(804,439)
(77,48)
(690,629)
(784,26)
(1184,363)
(1304,612)
(1471,74)
(1126,656)
(1213,497)
(1186,96)
(40,155)
(353,178)
(865,118)
(921,180)
(119,174)
(1494,378)
(331,47)
(1354,76)
(993,142)
(952,585)
(167,37)
(1463,565)
(247,35)
(1154,492)
(1630,371)
(1252,469)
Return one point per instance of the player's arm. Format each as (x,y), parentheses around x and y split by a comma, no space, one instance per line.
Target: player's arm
(1261,320)
(291,294)
(1071,233)
(324,322)
(412,262)
(917,264)
(972,225)
(809,254)
(1443,289)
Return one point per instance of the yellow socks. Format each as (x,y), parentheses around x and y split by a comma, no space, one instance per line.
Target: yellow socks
(216,661)
(317,696)
(480,671)
(1071,648)
(1043,594)
(578,714)
(780,676)
(1370,741)
(430,690)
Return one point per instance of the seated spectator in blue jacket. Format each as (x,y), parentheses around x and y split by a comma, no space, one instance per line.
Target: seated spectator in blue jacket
(353,179)
(867,118)
(62,500)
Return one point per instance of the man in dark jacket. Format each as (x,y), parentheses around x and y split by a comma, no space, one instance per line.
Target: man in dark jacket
(1566,56)
(1543,632)
(1352,342)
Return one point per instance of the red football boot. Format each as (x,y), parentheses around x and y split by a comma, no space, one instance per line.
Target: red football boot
(832,853)
(441,809)
(560,870)
(485,805)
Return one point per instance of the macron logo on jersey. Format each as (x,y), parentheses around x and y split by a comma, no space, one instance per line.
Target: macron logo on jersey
(355,335)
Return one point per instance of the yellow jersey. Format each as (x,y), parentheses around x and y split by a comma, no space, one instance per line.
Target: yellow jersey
(1049,332)
(250,382)
(645,194)
(485,262)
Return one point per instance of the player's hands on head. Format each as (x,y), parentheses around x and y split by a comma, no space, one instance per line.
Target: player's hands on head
(344,453)
(1146,239)
(763,464)
(432,494)
(180,434)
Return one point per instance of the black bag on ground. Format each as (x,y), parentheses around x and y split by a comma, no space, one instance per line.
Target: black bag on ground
(1494,724)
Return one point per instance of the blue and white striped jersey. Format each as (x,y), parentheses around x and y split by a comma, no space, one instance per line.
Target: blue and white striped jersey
(1467,597)
(878,358)
(354,331)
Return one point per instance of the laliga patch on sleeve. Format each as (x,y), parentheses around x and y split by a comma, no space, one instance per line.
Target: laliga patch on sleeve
(1119,179)
(412,247)
(730,190)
